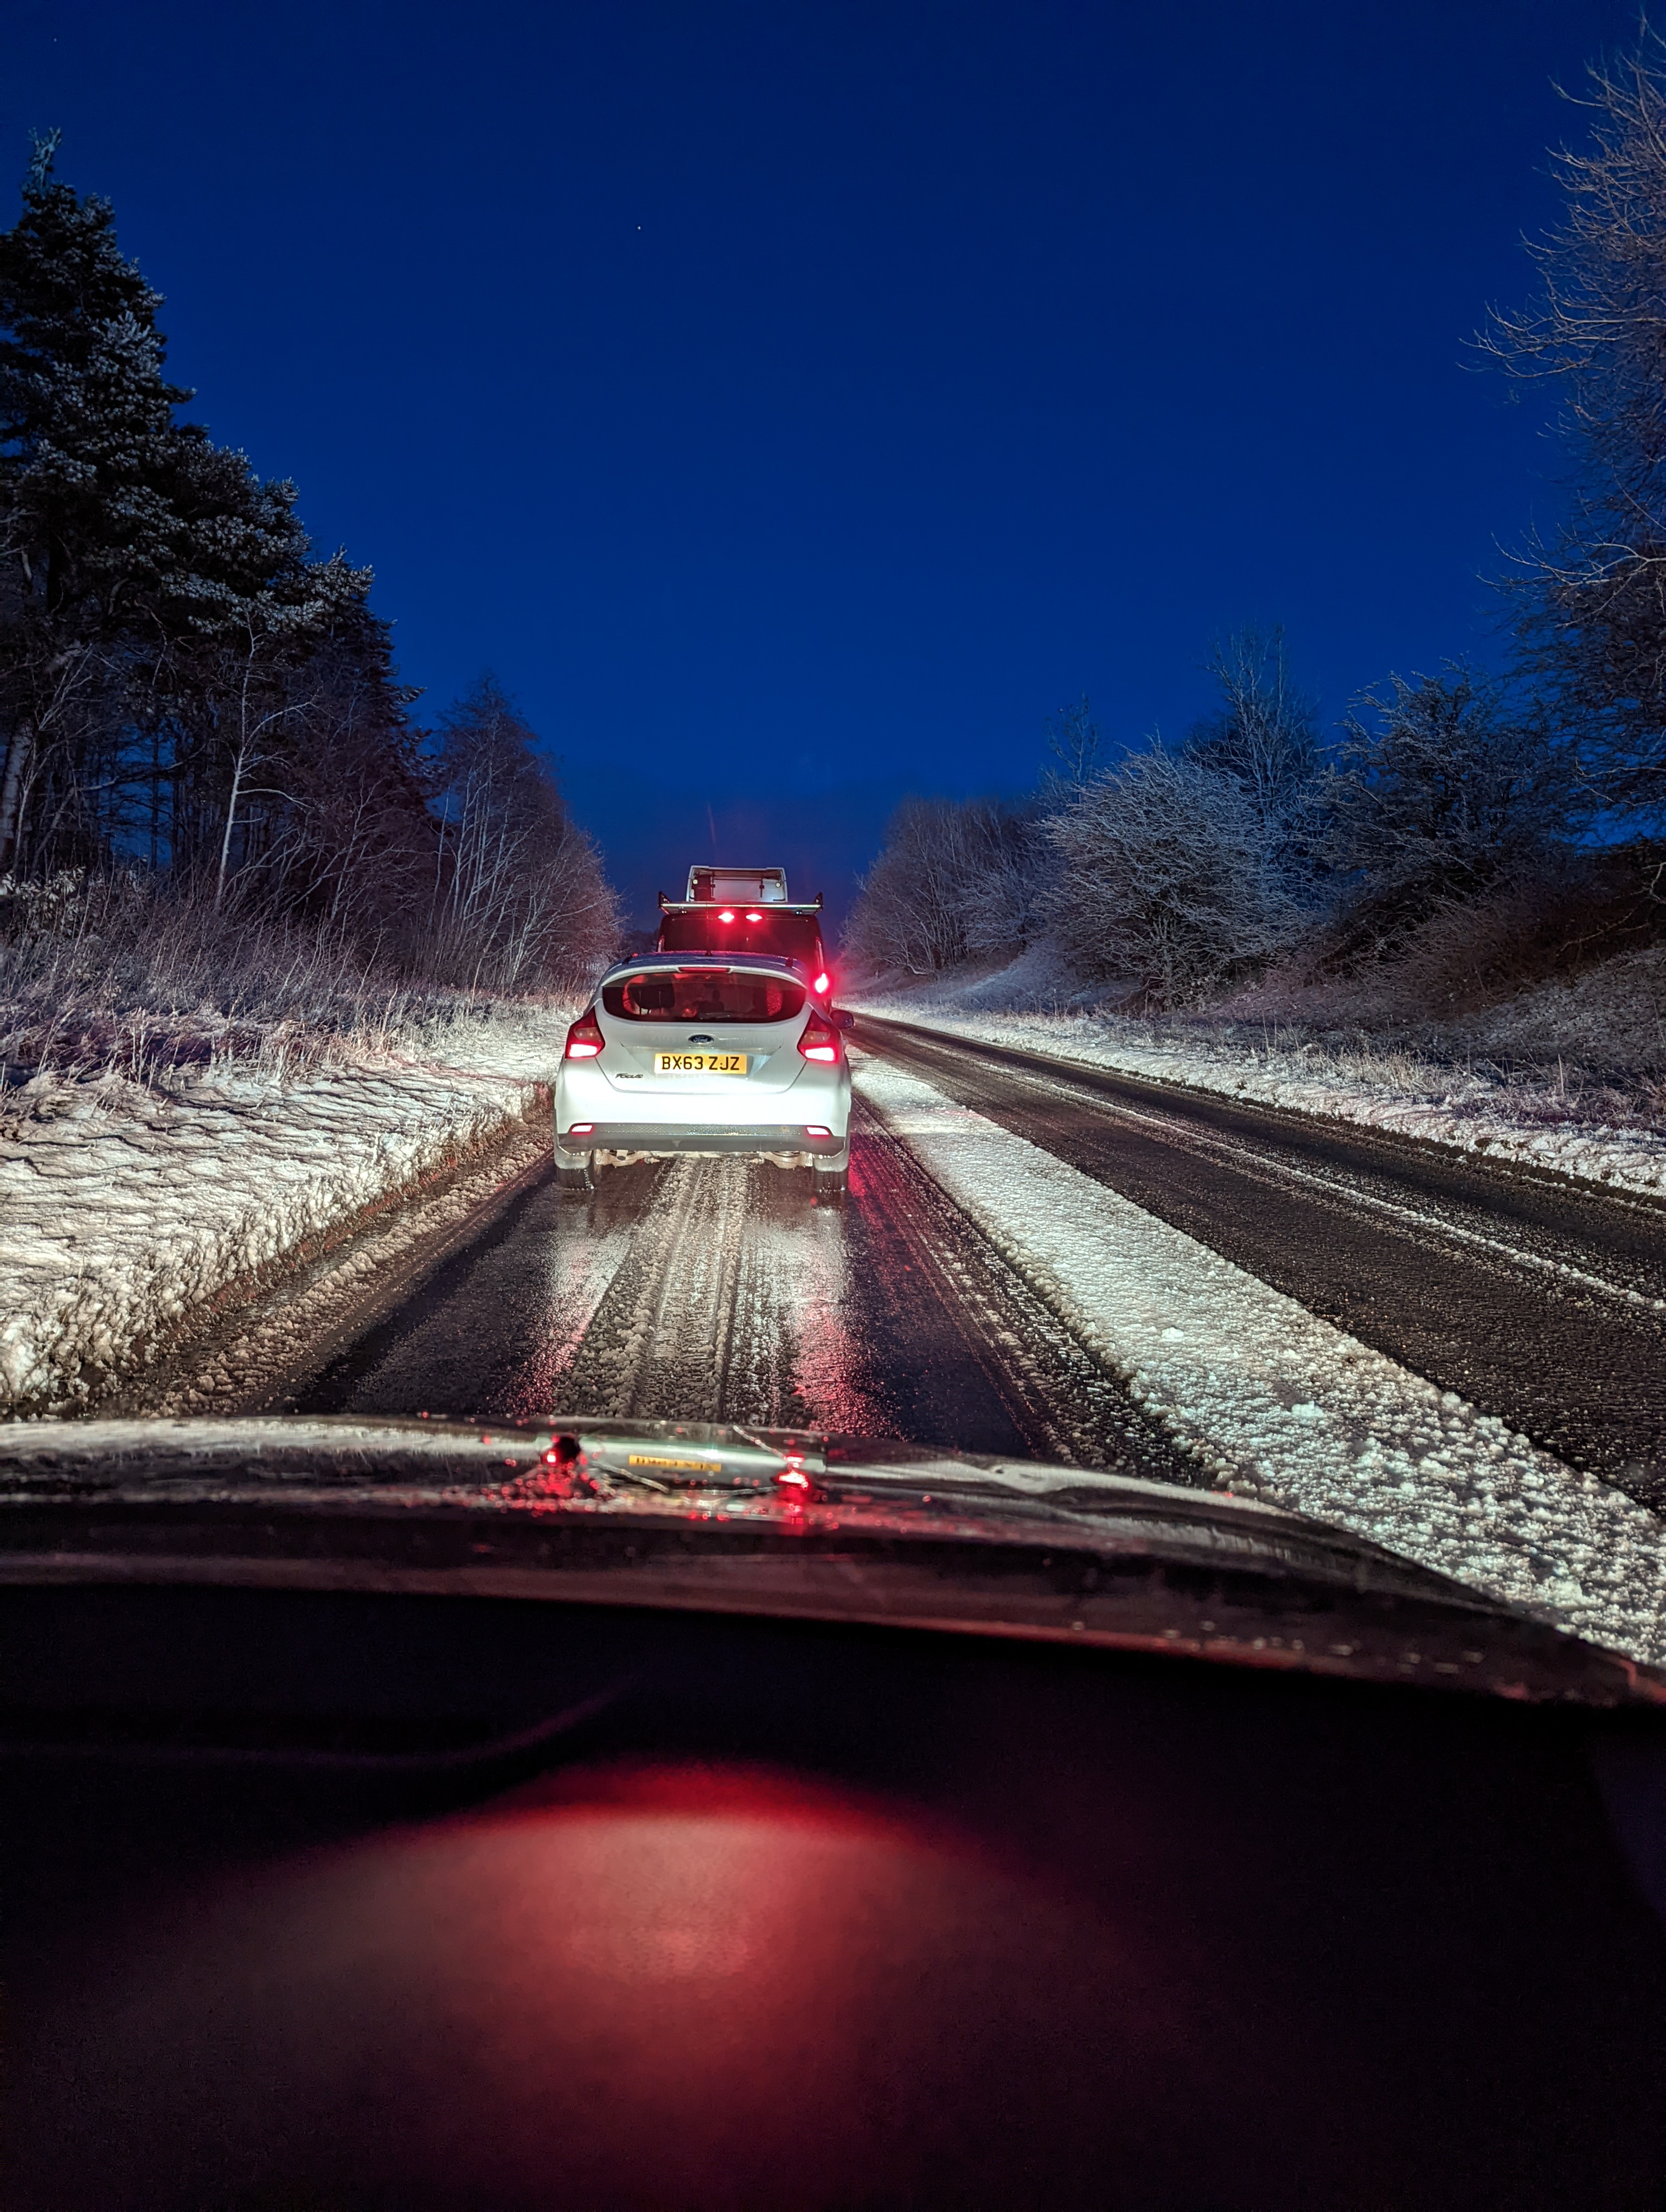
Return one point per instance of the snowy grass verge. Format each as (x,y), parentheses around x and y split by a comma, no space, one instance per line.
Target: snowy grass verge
(1379,1086)
(131,1210)
(1271,1401)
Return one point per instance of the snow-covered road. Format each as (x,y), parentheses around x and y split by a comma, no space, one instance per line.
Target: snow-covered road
(1267,1397)
(1542,1301)
(1031,1269)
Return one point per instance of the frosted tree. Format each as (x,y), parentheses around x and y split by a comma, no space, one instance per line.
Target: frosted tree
(1265,737)
(1592,594)
(1445,786)
(519,898)
(1164,881)
(954,877)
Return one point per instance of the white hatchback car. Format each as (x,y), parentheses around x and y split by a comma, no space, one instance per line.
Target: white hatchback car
(682,1053)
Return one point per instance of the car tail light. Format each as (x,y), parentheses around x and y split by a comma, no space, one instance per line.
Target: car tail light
(580,1129)
(754,917)
(585,1039)
(818,1133)
(820,1040)
(821,983)
(727,915)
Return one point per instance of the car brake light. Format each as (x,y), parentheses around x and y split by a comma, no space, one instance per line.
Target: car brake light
(585,1039)
(819,1040)
(754,917)
(821,983)
(726,916)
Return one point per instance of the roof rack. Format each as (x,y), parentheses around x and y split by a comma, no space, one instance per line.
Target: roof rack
(701,906)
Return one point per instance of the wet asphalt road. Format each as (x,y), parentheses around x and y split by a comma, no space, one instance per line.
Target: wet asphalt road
(1538,1301)
(717,1290)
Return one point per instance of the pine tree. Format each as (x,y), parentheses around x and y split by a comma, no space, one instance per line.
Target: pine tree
(141,557)
(87,440)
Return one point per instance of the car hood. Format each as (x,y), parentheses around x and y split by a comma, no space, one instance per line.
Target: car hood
(790,1523)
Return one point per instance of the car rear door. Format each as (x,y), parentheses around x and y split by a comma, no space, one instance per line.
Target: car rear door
(656,1057)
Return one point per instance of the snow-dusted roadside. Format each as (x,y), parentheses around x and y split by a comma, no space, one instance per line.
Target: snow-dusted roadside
(1465,1111)
(1270,1399)
(126,1211)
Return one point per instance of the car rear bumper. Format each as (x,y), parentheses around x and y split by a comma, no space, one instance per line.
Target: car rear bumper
(662,1140)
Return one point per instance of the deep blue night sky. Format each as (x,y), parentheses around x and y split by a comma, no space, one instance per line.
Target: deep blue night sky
(797,402)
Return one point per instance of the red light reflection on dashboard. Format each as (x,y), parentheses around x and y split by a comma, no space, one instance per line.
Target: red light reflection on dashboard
(612,1977)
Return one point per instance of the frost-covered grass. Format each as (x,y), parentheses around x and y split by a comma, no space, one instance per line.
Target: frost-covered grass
(190,1101)
(1600,1117)
(122,977)
(1269,1399)
(130,1209)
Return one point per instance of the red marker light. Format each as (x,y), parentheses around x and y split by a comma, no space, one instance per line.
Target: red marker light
(727,915)
(754,917)
(818,1133)
(580,1129)
(792,1478)
(585,1039)
(821,982)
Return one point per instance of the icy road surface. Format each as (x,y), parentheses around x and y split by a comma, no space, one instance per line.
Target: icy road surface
(1540,1301)
(1030,1265)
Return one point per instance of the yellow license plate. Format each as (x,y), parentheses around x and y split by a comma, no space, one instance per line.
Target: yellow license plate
(700,1063)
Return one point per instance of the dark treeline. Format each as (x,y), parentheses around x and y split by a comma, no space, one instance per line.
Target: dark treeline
(194,705)
(1461,835)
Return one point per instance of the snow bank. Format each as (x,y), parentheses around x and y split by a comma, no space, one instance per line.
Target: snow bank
(1387,1089)
(126,1209)
(1272,1400)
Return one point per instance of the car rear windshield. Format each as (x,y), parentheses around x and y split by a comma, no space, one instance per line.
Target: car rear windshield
(702,994)
(787,936)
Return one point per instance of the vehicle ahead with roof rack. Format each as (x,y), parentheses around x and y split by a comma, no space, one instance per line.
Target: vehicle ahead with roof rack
(747,910)
(719,1043)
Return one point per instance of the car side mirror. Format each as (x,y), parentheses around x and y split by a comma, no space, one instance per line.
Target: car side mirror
(844,1020)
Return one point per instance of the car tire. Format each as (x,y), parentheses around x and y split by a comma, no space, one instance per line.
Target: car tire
(577,1182)
(831,1186)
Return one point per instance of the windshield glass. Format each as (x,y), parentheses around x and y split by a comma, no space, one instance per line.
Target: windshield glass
(1271,1109)
(702,994)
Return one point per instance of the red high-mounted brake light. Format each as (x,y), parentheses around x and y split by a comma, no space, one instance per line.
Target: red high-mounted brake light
(820,1040)
(585,1039)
